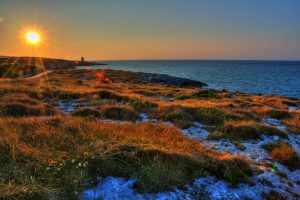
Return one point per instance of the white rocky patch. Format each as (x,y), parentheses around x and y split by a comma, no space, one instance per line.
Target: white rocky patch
(202,188)
(144,118)
(275,122)
(294,108)
(70,106)
(253,152)
(211,187)
(196,132)
(168,99)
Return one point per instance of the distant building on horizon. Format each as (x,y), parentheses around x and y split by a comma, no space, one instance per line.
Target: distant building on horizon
(82,60)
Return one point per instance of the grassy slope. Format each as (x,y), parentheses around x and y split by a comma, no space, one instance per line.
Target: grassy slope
(45,152)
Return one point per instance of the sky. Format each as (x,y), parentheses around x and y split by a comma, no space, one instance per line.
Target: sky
(156,29)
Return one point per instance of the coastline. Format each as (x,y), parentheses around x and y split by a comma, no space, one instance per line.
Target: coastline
(119,134)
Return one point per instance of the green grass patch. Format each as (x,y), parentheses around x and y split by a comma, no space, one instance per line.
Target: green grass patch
(203,94)
(86,112)
(184,117)
(120,113)
(279,114)
(245,131)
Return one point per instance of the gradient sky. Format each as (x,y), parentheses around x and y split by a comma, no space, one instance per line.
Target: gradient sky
(154,29)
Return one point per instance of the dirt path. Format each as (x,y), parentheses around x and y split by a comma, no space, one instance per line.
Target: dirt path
(37,75)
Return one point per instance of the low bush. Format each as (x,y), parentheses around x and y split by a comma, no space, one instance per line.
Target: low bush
(284,153)
(86,112)
(59,157)
(120,113)
(143,105)
(185,117)
(279,114)
(237,131)
(205,94)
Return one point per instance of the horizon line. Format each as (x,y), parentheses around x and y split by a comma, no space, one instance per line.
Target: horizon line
(164,59)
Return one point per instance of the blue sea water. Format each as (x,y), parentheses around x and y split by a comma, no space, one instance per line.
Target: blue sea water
(259,77)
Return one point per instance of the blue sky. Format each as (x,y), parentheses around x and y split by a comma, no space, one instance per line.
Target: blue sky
(156,29)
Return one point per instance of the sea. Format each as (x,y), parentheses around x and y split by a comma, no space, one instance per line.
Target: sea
(253,77)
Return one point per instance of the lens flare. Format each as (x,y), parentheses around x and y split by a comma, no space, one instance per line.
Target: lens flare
(32,37)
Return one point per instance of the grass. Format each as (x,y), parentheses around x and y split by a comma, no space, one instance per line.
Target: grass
(284,153)
(240,131)
(205,94)
(184,117)
(20,105)
(86,112)
(48,154)
(120,113)
(279,114)
(64,155)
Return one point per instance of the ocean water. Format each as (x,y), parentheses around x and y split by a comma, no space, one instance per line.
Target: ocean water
(258,77)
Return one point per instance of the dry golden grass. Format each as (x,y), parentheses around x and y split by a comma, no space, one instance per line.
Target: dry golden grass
(41,151)
(246,130)
(284,153)
(38,143)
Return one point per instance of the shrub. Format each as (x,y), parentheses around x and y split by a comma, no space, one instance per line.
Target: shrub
(40,160)
(279,114)
(180,116)
(284,153)
(142,105)
(205,94)
(86,112)
(21,110)
(211,116)
(159,176)
(290,103)
(246,131)
(105,94)
(184,117)
(120,113)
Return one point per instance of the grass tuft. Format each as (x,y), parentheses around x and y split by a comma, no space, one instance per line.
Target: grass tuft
(120,113)
(203,94)
(239,131)
(279,114)
(86,112)
(284,153)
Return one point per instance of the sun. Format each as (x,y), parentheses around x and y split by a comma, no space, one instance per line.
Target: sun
(32,37)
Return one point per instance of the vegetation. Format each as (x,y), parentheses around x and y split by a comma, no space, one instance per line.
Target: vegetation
(284,153)
(246,131)
(279,114)
(47,152)
(206,94)
(120,113)
(71,152)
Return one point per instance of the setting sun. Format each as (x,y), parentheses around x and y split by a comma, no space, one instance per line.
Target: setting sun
(32,37)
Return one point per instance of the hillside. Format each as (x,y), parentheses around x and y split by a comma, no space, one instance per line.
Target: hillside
(22,66)
(114,134)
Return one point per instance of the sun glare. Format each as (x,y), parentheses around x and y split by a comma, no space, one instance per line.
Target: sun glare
(32,37)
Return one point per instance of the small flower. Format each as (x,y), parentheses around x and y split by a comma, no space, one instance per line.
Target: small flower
(86,154)
(79,164)
(48,168)
(73,160)
(51,162)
